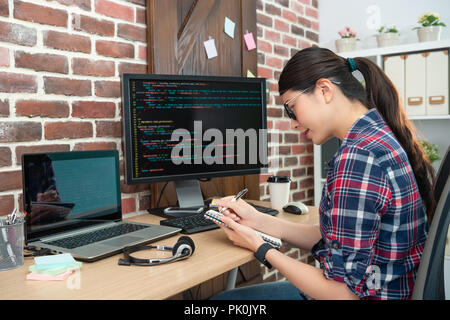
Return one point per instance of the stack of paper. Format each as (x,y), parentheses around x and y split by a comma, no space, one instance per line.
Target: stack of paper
(56,267)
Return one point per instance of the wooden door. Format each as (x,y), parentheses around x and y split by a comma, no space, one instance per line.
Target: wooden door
(176,31)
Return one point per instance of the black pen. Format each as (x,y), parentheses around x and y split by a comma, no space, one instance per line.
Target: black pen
(235,198)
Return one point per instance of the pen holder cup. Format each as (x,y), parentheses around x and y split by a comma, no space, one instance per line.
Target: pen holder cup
(11,246)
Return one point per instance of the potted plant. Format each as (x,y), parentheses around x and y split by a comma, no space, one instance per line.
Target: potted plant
(387,36)
(347,42)
(431,150)
(430,27)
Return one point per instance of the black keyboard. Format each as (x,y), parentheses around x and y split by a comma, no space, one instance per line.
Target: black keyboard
(198,223)
(96,236)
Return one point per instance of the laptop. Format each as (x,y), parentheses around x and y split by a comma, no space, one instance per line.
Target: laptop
(73,205)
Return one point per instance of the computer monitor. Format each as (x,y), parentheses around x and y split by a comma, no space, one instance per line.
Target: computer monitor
(181,128)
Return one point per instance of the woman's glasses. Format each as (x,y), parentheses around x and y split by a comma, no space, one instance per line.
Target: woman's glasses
(289,110)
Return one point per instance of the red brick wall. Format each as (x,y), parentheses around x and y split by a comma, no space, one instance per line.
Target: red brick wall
(284,27)
(60,66)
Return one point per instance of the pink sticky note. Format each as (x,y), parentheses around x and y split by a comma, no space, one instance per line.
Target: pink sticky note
(46,277)
(249,41)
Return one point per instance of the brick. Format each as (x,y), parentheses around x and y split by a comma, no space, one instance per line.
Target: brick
(305,160)
(68,87)
(283,125)
(15,82)
(312,36)
(312,13)
(15,33)
(67,130)
(289,15)
(127,67)
(114,10)
(306,183)
(273,10)
(98,145)
(4,8)
(298,196)
(4,57)
(20,150)
(114,49)
(291,138)
(281,50)
(264,46)
(42,62)
(83,4)
(10,180)
(107,89)
(144,202)
(264,20)
(66,41)
(4,108)
(125,188)
(93,109)
(131,32)
(300,172)
(39,14)
(304,22)
(36,108)
(6,204)
(109,129)
(297,31)
(128,205)
(290,161)
(289,40)
(297,7)
(265,72)
(90,67)
(142,54)
(19,131)
(284,3)
(141,16)
(5,157)
(92,25)
(274,62)
(274,112)
(281,26)
(298,149)
(272,36)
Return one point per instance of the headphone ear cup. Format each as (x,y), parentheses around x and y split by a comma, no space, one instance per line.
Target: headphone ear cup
(186,241)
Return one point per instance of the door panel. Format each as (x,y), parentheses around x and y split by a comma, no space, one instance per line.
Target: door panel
(176,32)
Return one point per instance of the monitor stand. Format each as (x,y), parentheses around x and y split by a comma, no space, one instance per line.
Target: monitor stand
(190,199)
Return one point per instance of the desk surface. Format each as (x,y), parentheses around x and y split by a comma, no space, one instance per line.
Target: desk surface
(104,279)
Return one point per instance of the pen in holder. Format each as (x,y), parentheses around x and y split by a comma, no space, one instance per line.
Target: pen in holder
(11,241)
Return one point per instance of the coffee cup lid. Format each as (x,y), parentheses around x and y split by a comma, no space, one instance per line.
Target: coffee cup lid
(278,179)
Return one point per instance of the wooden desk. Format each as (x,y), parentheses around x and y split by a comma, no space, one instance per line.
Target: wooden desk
(105,279)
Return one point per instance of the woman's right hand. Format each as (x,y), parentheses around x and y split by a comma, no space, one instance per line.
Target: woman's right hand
(240,211)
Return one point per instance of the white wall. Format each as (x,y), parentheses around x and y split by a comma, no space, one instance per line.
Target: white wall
(367,16)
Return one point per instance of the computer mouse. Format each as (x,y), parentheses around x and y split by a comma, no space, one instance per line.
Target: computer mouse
(295,208)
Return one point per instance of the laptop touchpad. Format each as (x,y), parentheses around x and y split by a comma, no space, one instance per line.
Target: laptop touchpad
(121,241)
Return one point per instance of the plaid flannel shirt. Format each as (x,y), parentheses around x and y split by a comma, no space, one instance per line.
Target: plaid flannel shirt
(372,219)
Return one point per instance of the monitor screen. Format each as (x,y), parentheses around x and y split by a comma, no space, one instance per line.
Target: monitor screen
(188,127)
(67,190)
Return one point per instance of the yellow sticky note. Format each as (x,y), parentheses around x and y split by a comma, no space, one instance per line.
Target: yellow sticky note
(250,74)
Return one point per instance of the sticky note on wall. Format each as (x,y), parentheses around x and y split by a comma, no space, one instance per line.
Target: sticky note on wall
(229,27)
(249,41)
(210,48)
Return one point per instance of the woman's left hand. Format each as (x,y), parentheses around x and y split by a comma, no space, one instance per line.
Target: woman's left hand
(241,235)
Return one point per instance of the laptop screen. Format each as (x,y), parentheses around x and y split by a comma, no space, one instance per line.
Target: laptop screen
(70,190)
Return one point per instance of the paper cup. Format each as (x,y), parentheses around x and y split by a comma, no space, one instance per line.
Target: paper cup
(279,187)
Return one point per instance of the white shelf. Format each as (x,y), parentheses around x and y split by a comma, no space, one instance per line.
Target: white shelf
(446,117)
(409,47)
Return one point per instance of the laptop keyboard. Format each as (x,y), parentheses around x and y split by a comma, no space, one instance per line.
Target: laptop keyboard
(96,236)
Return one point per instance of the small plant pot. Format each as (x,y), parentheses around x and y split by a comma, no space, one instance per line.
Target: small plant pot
(431,33)
(387,39)
(345,44)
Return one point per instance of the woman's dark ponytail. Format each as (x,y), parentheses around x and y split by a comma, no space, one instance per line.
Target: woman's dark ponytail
(310,64)
(381,94)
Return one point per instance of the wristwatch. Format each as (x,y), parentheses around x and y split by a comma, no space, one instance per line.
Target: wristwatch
(260,254)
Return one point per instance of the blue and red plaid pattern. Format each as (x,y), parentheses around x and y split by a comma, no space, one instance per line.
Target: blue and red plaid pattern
(372,219)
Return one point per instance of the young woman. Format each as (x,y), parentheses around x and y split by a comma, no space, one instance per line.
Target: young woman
(377,200)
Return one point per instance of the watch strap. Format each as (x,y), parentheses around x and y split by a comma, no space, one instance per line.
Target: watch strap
(260,254)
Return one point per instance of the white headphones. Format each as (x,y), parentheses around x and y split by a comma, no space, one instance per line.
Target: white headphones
(183,249)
